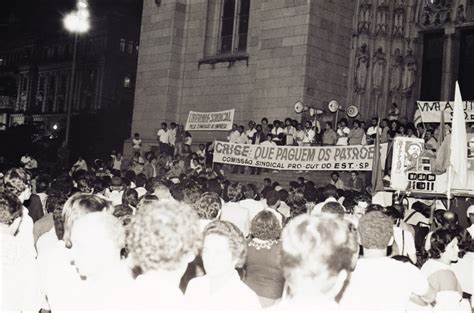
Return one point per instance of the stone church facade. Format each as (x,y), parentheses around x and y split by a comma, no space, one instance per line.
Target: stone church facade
(261,56)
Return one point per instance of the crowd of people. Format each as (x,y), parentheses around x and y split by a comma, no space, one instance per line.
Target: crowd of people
(160,234)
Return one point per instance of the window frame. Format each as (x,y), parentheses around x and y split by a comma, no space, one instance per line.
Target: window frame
(235,30)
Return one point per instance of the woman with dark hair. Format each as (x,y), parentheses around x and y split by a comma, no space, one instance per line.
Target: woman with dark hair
(128,208)
(263,271)
(437,269)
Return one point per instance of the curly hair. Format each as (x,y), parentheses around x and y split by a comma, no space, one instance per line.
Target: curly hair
(79,205)
(162,233)
(237,243)
(312,246)
(10,208)
(234,192)
(439,240)
(265,226)
(16,181)
(375,230)
(208,206)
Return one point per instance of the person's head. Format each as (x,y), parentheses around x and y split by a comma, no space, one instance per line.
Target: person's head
(251,192)
(264,122)
(334,208)
(164,236)
(299,126)
(259,128)
(140,180)
(79,205)
(287,121)
(308,125)
(158,188)
(328,125)
(234,127)
(330,191)
(374,121)
(343,122)
(401,129)
(130,198)
(11,211)
(241,129)
(267,181)
(213,185)
(136,135)
(273,198)
(42,183)
(97,240)
(394,105)
(470,214)
(394,125)
(384,123)
(224,248)
(18,183)
(173,125)
(317,255)
(335,176)
(265,226)
(375,230)
(420,127)
(164,126)
(356,124)
(208,206)
(393,213)
(444,245)
(251,124)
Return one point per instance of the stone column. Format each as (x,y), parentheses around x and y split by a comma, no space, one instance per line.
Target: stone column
(447,82)
(56,91)
(18,92)
(45,94)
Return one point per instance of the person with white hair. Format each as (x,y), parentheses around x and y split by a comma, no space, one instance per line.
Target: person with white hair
(164,237)
(317,257)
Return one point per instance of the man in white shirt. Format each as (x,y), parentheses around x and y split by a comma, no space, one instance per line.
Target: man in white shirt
(336,181)
(163,137)
(172,136)
(343,133)
(250,132)
(234,134)
(309,134)
(372,131)
(116,191)
(379,282)
(330,194)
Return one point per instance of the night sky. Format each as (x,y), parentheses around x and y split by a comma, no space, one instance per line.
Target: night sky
(44,16)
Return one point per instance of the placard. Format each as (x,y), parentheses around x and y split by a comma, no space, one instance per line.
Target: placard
(222,120)
(431,111)
(327,158)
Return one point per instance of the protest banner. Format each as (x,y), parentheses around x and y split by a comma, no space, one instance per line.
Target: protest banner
(327,158)
(210,120)
(406,152)
(430,111)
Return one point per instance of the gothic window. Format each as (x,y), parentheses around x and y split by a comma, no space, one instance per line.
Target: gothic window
(234,26)
(130,47)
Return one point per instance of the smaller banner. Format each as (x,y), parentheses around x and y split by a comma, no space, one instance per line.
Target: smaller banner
(431,111)
(222,120)
(406,152)
(327,158)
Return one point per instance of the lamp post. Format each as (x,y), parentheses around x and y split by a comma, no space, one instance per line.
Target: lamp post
(76,22)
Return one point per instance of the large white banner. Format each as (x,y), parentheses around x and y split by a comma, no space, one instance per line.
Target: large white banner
(431,111)
(210,120)
(326,158)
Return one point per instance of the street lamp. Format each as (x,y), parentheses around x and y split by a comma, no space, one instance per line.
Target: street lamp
(76,22)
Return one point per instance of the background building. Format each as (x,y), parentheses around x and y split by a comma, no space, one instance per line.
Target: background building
(260,57)
(36,64)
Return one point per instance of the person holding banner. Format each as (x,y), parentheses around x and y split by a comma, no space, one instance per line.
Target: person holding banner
(342,133)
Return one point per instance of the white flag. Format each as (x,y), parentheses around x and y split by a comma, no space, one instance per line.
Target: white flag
(458,158)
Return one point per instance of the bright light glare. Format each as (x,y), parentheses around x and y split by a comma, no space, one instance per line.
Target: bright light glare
(76,23)
(55,126)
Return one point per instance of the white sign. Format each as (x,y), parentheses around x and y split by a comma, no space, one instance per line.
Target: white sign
(431,111)
(222,120)
(327,158)
(406,152)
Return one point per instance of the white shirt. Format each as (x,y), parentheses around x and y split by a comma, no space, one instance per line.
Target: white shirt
(234,295)
(309,136)
(242,138)
(372,130)
(233,136)
(249,133)
(152,291)
(172,136)
(137,143)
(318,207)
(238,215)
(141,191)
(464,271)
(470,229)
(115,197)
(164,136)
(343,141)
(253,206)
(383,284)
(404,240)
